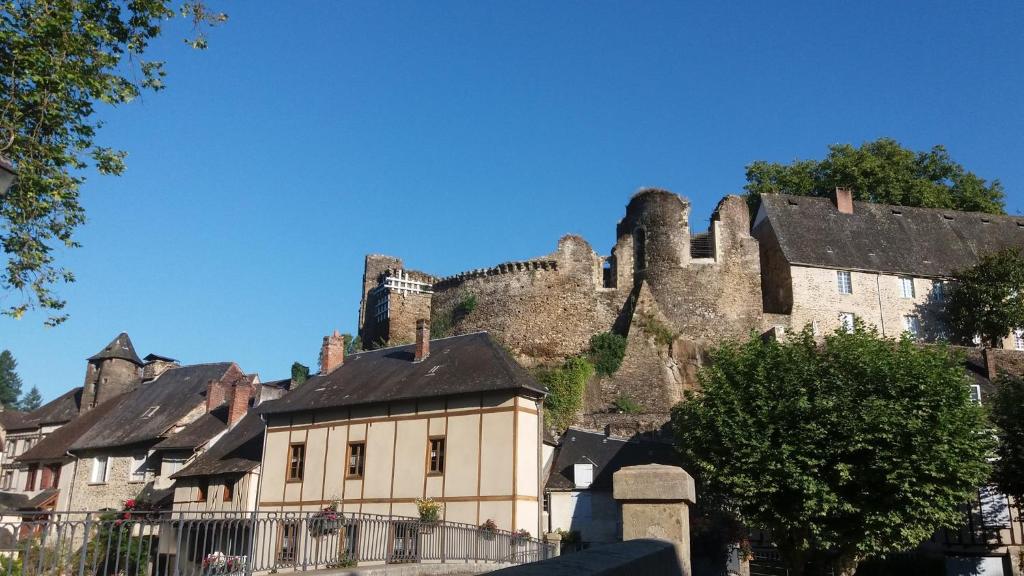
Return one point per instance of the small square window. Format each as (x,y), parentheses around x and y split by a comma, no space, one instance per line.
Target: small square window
(846,321)
(844,283)
(906,287)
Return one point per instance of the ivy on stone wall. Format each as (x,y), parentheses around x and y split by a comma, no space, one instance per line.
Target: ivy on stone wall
(444,319)
(606,352)
(661,333)
(566,385)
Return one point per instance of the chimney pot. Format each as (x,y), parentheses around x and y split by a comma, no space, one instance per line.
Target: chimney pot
(422,340)
(843,199)
(332,353)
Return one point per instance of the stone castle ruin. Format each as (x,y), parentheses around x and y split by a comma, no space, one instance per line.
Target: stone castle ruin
(671,292)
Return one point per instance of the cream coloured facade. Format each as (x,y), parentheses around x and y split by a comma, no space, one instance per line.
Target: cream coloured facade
(491,457)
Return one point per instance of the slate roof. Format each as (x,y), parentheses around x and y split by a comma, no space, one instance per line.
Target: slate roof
(56,444)
(177,392)
(199,432)
(154,357)
(57,411)
(120,347)
(13,419)
(884,238)
(608,454)
(237,452)
(466,364)
(12,501)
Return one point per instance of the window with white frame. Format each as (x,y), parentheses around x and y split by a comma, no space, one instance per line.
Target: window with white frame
(844,283)
(1018,339)
(906,287)
(99,470)
(583,474)
(912,325)
(938,291)
(976,393)
(138,468)
(846,321)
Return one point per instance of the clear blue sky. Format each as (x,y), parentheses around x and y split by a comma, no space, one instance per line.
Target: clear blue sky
(462,134)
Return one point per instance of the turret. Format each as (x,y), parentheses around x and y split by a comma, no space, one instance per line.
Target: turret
(112,371)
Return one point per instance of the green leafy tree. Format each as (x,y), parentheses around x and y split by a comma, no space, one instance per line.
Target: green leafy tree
(31,400)
(58,60)
(10,382)
(353,344)
(881,171)
(1006,409)
(300,373)
(841,452)
(607,350)
(987,299)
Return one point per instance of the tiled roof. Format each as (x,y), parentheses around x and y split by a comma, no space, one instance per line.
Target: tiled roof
(120,347)
(56,444)
(149,411)
(59,410)
(607,454)
(883,238)
(471,363)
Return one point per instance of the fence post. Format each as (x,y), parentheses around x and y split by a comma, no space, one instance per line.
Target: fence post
(554,545)
(85,544)
(655,504)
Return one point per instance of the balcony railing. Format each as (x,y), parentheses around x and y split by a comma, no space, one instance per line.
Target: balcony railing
(193,543)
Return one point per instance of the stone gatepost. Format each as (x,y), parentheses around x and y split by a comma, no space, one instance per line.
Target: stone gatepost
(655,504)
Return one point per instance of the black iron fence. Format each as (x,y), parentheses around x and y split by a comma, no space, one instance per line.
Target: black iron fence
(225,543)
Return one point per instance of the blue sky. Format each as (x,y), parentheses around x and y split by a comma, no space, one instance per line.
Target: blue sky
(459,135)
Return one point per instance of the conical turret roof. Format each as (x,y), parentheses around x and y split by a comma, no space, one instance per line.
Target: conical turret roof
(120,347)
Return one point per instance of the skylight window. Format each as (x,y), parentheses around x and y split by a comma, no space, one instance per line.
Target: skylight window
(150,411)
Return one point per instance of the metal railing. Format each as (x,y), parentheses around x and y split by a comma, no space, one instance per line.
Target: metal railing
(239,543)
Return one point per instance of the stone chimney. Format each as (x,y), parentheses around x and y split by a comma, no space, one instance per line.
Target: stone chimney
(422,340)
(844,200)
(239,405)
(989,355)
(214,395)
(332,353)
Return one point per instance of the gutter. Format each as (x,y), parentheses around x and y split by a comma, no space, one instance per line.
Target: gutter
(74,474)
(878,292)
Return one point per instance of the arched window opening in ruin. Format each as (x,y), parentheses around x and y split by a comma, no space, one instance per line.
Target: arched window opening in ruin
(639,249)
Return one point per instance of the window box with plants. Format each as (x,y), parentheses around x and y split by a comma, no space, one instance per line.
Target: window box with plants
(521,537)
(430,513)
(326,522)
(488,529)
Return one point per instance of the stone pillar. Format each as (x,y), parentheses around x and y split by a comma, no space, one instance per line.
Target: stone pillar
(554,539)
(655,504)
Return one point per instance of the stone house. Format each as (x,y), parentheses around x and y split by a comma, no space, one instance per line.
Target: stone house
(453,419)
(578,491)
(826,261)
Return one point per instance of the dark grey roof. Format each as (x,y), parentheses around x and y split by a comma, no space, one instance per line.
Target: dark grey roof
(237,452)
(884,238)
(120,347)
(176,392)
(198,432)
(57,443)
(607,454)
(57,411)
(153,498)
(154,357)
(13,419)
(466,364)
(12,501)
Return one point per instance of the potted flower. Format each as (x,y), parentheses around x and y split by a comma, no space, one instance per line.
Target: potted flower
(327,521)
(521,536)
(220,563)
(488,529)
(430,512)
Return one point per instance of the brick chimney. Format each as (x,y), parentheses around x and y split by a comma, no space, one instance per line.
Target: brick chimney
(214,395)
(844,200)
(991,371)
(332,353)
(240,394)
(422,340)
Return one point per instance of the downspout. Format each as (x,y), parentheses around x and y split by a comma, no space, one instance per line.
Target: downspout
(878,292)
(74,475)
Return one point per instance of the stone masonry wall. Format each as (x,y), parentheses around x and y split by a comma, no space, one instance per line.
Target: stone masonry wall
(111,494)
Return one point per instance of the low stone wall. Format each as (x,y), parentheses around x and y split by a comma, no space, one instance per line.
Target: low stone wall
(646,557)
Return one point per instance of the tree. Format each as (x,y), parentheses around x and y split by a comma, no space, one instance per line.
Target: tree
(57,61)
(352,344)
(842,451)
(881,171)
(10,382)
(986,300)
(300,373)
(1006,408)
(31,400)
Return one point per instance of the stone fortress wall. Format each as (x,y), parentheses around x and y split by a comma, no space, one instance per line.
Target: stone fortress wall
(671,292)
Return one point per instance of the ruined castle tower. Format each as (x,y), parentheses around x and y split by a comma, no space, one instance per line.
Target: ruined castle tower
(112,371)
(672,292)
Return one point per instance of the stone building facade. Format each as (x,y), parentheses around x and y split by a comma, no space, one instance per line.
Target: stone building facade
(671,291)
